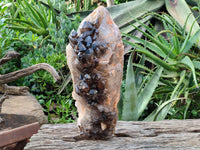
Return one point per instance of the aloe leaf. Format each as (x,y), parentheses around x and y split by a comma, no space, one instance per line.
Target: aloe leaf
(159,28)
(180,11)
(148,44)
(138,72)
(151,116)
(43,12)
(37,15)
(53,13)
(196,64)
(21,28)
(120,103)
(190,42)
(126,13)
(164,48)
(168,21)
(166,88)
(187,61)
(130,101)
(87,4)
(78,5)
(175,91)
(162,110)
(145,95)
(129,28)
(176,43)
(152,56)
(17,12)
(30,14)
(22,21)
(142,67)
(149,29)
(188,101)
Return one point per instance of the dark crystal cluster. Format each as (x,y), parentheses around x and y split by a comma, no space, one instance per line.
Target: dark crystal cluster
(88,50)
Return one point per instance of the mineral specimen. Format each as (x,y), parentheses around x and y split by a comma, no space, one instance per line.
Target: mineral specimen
(95,59)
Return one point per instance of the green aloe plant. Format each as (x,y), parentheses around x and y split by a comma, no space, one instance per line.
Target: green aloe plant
(137,95)
(33,18)
(175,55)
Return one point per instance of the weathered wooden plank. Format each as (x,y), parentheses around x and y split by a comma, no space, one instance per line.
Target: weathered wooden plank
(18,134)
(167,135)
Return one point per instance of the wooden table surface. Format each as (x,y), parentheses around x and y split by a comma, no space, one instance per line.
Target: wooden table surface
(161,135)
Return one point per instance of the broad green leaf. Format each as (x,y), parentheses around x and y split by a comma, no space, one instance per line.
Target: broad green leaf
(145,95)
(130,101)
(125,14)
(180,11)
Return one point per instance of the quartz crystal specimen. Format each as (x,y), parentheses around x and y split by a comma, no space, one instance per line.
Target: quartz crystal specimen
(95,59)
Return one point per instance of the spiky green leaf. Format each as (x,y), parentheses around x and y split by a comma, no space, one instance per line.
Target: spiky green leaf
(130,101)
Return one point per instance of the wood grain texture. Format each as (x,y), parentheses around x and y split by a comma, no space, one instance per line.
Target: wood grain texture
(165,135)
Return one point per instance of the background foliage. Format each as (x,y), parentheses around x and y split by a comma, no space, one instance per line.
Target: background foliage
(34,48)
(161,70)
